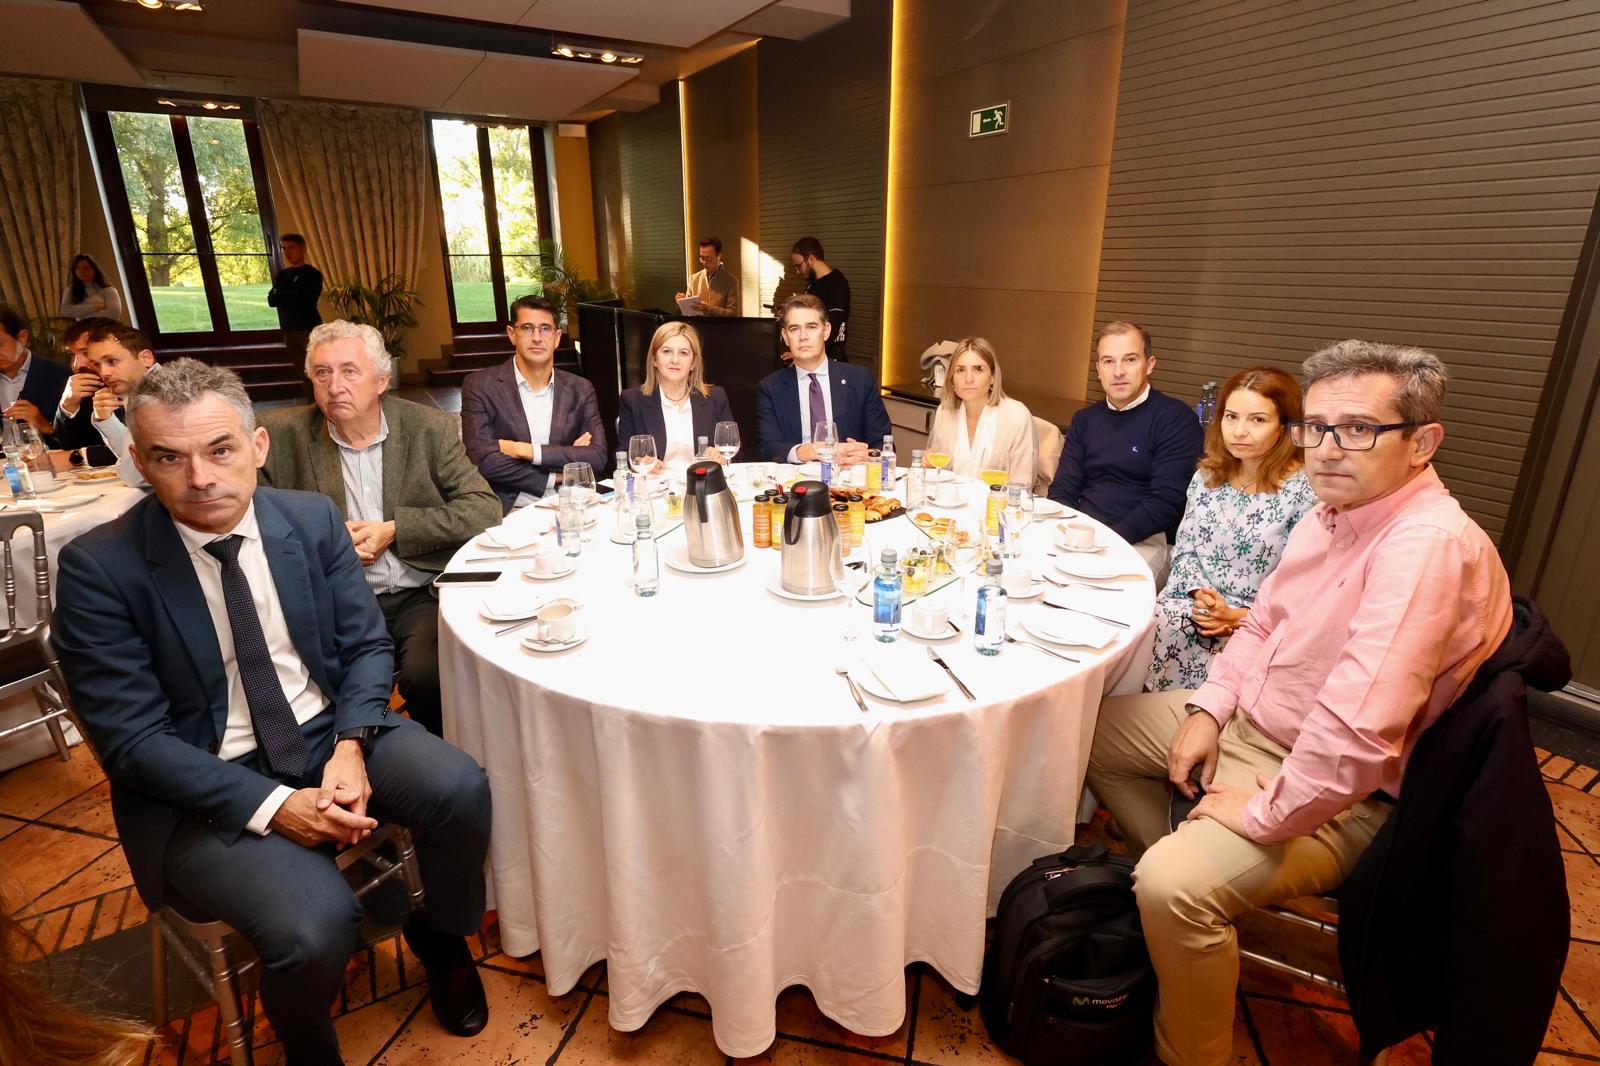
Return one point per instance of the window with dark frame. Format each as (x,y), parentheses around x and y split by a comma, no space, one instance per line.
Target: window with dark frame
(491,182)
(192,218)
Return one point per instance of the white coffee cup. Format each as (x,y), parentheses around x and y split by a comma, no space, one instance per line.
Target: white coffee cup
(1077,534)
(1017,580)
(928,620)
(549,559)
(947,494)
(558,622)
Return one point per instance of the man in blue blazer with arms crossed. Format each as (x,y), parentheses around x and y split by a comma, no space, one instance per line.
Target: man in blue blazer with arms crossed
(789,402)
(233,670)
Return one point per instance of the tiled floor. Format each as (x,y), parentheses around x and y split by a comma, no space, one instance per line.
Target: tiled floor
(61,867)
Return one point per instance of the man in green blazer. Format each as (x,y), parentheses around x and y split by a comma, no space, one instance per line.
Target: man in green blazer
(397,470)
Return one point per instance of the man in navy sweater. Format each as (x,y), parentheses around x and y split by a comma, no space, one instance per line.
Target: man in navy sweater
(1128,462)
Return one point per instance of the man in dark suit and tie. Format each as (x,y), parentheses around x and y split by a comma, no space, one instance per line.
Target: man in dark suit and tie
(789,402)
(233,671)
(523,420)
(30,385)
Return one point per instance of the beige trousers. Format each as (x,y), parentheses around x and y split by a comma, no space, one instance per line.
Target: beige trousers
(1191,884)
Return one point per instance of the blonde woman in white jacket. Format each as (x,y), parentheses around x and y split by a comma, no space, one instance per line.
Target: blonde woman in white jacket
(983,428)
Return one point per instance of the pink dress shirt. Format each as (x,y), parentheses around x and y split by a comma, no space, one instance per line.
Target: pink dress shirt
(1373,623)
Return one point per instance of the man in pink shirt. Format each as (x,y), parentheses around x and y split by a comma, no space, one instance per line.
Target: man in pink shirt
(1373,623)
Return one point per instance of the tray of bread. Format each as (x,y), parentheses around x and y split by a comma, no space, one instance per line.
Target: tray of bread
(878,507)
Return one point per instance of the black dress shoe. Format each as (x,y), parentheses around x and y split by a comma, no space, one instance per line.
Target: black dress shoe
(454,987)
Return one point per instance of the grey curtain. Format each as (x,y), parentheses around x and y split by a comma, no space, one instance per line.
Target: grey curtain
(38,193)
(354,179)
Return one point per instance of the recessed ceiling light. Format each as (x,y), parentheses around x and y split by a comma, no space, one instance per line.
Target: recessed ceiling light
(153,5)
(594,53)
(564,50)
(608,57)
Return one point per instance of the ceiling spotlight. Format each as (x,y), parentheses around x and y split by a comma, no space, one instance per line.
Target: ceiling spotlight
(564,50)
(169,5)
(608,57)
(594,54)
(585,55)
(153,5)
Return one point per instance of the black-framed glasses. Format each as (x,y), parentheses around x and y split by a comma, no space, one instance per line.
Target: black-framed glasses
(1351,436)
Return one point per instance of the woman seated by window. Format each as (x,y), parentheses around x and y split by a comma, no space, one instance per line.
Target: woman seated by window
(982,428)
(674,405)
(87,295)
(1244,499)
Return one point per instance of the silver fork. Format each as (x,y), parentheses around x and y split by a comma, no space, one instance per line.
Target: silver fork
(1048,651)
(844,671)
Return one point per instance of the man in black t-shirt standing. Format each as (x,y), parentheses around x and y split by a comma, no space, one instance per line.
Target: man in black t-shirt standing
(829,286)
(295,292)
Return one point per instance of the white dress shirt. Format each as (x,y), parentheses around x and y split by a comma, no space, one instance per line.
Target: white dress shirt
(117,437)
(679,419)
(1135,402)
(803,380)
(362,470)
(305,698)
(539,407)
(11,388)
(968,457)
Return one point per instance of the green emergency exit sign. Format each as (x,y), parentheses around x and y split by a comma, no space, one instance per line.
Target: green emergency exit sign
(988,121)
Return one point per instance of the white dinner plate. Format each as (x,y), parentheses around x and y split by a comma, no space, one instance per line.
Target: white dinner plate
(1047,508)
(65,503)
(54,485)
(958,505)
(1090,567)
(533,575)
(677,558)
(514,606)
(519,540)
(934,685)
(578,638)
(1071,630)
(775,586)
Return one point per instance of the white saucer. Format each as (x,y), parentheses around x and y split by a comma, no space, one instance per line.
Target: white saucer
(533,575)
(677,558)
(1093,549)
(1047,508)
(1039,587)
(958,505)
(950,633)
(542,646)
(775,586)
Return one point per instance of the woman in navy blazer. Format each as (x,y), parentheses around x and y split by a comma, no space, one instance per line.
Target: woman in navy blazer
(674,377)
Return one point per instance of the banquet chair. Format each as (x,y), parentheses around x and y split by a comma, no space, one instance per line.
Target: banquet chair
(222,962)
(27,657)
(1049,439)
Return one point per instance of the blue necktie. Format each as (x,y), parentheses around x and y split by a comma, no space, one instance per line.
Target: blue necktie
(283,746)
(819,410)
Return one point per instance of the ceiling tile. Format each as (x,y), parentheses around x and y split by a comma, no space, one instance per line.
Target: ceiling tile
(796,19)
(647,21)
(338,66)
(530,88)
(50,39)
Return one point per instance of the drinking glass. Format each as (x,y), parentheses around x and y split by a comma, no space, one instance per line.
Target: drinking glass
(1019,513)
(938,453)
(994,471)
(964,550)
(580,478)
(642,459)
(851,571)
(725,438)
(824,438)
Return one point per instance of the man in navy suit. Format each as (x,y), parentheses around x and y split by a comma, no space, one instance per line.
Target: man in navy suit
(30,385)
(789,402)
(523,420)
(233,670)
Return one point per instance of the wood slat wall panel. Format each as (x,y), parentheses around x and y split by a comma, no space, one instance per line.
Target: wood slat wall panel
(637,163)
(1286,173)
(823,114)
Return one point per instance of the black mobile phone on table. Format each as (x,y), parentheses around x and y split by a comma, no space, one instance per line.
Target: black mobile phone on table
(468,577)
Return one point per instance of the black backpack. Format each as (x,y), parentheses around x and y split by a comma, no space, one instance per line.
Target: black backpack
(1067,980)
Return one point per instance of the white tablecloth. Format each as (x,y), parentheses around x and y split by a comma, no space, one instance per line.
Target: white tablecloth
(692,795)
(110,499)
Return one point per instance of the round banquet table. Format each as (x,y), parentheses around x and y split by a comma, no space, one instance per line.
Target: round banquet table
(692,795)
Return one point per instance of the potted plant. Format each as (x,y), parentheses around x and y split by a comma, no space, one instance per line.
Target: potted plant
(389,307)
(564,286)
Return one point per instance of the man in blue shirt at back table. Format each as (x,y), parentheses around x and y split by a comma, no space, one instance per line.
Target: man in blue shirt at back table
(791,401)
(1128,462)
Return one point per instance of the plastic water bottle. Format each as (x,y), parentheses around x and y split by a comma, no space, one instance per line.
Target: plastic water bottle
(916,492)
(646,557)
(18,477)
(888,462)
(886,598)
(623,478)
(989,625)
(700,446)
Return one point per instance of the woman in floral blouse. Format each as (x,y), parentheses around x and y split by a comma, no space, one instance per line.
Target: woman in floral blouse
(1243,500)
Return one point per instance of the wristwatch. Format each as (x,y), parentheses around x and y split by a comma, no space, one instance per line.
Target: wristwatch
(361,735)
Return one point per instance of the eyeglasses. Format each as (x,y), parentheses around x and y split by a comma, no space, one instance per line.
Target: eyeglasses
(1351,436)
(528,329)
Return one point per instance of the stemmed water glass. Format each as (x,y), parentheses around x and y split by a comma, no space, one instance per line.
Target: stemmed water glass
(725,438)
(579,477)
(851,570)
(1018,514)
(642,460)
(964,549)
(824,438)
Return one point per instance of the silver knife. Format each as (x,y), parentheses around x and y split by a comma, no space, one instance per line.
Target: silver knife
(965,691)
(1089,614)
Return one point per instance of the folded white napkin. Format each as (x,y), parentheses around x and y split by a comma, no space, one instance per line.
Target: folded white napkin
(513,536)
(509,604)
(906,677)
